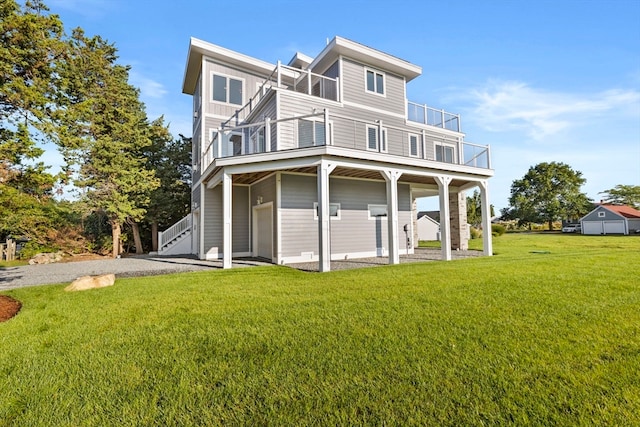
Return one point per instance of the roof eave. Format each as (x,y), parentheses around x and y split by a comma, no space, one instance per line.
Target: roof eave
(350,49)
(199,49)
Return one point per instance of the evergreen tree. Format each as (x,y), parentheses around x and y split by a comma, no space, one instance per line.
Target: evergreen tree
(103,131)
(171,160)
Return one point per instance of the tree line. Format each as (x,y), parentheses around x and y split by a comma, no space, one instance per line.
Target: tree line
(550,191)
(128,171)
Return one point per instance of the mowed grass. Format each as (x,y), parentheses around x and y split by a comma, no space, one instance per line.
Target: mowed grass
(547,332)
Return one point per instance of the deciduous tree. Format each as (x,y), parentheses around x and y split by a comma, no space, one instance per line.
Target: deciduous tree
(623,195)
(548,192)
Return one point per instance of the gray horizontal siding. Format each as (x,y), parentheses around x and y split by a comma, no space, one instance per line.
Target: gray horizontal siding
(240,219)
(354,231)
(212,220)
(251,84)
(608,215)
(354,88)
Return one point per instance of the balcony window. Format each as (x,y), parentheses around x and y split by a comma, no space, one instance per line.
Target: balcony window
(413,145)
(375,81)
(227,89)
(445,153)
(258,144)
(373,140)
(311,133)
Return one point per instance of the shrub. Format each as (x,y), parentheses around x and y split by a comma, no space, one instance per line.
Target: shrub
(497,230)
(475,233)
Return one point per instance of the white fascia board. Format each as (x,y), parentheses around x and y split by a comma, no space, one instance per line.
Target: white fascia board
(350,49)
(346,157)
(200,48)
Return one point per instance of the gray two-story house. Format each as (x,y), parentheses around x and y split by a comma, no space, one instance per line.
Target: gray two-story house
(320,158)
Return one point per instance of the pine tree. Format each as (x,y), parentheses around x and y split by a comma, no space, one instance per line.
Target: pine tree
(103,131)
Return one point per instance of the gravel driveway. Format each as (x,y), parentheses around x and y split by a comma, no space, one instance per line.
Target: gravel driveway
(31,275)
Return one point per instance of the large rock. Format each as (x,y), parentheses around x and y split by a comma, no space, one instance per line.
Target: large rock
(46,258)
(90,282)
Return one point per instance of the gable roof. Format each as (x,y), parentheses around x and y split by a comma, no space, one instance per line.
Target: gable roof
(625,211)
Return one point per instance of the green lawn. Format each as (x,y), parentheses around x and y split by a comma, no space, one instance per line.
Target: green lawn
(545,333)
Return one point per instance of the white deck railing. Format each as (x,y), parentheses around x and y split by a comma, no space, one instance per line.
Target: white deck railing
(172,233)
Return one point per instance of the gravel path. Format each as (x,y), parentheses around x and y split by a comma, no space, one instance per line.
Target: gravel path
(31,275)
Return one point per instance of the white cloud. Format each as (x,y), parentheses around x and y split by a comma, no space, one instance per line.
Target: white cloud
(502,106)
(149,88)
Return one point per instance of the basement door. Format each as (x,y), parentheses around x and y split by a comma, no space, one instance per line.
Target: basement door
(263,231)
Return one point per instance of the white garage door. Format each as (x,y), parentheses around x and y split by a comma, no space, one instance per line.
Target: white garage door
(613,227)
(592,227)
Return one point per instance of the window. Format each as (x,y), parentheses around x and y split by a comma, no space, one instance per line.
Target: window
(445,153)
(375,82)
(334,210)
(311,133)
(377,211)
(227,89)
(258,144)
(601,214)
(372,139)
(413,145)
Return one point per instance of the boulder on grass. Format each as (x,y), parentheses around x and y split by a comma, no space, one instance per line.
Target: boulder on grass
(46,258)
(90,282)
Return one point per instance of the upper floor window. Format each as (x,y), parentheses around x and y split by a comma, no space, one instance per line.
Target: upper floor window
(375,141)
(445,153)
(375,81)
(227,89)
(413,145)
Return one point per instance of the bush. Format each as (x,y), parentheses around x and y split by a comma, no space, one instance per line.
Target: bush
(475,233)
(497,230)
(32,248)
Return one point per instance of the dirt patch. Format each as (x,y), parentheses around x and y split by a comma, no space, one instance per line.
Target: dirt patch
(9,307)
(84,257)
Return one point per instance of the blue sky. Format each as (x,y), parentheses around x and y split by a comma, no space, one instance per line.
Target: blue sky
(537,80)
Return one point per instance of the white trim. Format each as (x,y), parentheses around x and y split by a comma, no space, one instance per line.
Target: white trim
(602,214)
(379,143)
(227,103)
(375,73)
(332,217)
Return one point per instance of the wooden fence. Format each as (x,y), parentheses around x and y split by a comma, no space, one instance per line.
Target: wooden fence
(8,250)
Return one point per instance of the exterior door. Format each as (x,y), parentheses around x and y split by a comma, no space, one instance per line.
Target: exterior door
(613,227)
(263,231)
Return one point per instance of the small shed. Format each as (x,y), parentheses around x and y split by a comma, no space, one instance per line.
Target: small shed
(611,219)
(428,228)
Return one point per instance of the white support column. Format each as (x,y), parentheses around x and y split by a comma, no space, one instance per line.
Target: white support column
(324,217)
(445,216)
(308,82)
(391,177)
(203,212)
(226,220)
(487,243)
(279,78)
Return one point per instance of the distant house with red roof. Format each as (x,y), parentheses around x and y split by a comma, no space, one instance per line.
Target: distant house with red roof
(611,219)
